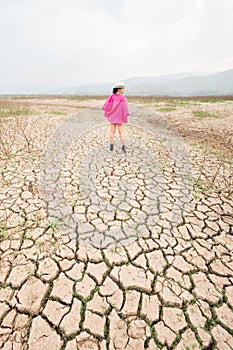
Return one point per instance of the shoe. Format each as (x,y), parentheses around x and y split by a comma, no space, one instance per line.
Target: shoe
(111,146)
(123,148)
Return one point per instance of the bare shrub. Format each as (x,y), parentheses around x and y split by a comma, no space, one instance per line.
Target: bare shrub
(15,128)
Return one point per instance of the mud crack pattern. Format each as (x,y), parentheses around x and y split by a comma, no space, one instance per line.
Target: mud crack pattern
(116,252)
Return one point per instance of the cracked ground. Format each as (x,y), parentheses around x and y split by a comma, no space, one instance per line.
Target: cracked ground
(105,250)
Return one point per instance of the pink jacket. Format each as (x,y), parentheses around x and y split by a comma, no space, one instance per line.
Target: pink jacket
(116,109)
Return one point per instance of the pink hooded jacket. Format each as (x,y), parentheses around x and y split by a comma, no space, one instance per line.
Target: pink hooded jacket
(116,109)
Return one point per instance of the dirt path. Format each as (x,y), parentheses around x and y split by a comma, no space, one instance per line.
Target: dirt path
(102,250)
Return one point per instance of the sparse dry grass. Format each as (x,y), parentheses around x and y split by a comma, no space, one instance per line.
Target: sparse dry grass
(27,122)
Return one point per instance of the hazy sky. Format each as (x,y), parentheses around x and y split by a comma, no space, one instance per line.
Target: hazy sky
(49,44)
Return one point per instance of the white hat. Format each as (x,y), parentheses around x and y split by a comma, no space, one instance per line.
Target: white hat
(119,84)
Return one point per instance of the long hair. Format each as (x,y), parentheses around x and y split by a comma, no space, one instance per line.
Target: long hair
(114,91)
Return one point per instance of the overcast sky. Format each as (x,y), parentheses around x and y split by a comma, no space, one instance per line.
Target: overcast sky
(49,44)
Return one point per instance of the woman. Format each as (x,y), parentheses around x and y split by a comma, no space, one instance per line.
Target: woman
(116,111)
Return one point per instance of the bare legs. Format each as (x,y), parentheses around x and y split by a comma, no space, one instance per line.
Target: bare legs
(113,131)
(112,135)
(121,132)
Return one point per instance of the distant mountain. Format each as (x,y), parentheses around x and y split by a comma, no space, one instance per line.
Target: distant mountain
(184,84)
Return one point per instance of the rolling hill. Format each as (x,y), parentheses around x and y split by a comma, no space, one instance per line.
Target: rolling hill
(184,84)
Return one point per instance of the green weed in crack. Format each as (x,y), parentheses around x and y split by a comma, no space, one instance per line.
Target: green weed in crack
(193,328)
(211,323)
(154,335)
(82,315)
(105,260)
(106,332)
(3,233)
(146,343)
(176,341)
(54,225)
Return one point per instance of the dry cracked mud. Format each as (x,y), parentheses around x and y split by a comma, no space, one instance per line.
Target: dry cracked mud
(104,250)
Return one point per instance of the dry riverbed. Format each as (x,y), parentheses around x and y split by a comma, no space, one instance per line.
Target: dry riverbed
(102,250)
